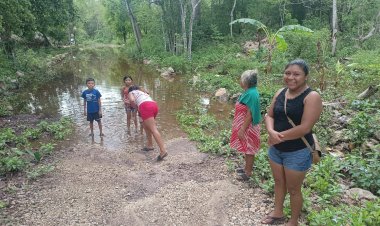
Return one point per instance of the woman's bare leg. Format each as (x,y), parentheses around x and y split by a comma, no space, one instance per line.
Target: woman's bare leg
(134,117)
(249,160)
(150,125)
(294,180)
(149,139)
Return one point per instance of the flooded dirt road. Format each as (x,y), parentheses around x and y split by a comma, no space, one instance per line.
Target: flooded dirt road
(111,181)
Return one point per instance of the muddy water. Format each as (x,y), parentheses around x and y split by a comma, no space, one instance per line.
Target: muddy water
(62,97)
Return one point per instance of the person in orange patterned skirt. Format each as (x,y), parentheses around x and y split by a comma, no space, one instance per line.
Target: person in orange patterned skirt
(245,137)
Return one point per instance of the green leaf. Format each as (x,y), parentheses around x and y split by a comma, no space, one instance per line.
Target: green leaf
(295,28)
(249,21)
(281,43)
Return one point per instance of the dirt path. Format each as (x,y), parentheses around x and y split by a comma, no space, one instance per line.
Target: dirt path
(92,185)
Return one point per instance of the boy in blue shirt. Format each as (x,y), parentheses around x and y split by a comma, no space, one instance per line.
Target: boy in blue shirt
(92,105)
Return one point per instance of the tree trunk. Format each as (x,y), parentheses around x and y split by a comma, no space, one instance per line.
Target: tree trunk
(194,4)
(135,26)
(183,20)
(334,28)
(232,16)
(163,34)
(320,67)
(46,40)
(376,26)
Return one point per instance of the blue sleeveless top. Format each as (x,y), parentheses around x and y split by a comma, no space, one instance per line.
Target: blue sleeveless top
(294,110)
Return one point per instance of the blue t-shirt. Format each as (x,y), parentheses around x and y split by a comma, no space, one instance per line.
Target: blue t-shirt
(92,96)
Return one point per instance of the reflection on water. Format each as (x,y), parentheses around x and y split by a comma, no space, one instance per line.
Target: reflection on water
(62,97)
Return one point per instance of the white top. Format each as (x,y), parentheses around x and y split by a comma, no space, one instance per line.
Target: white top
(140,97)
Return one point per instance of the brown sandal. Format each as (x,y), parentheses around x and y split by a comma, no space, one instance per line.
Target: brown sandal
(273,220)
(160,158)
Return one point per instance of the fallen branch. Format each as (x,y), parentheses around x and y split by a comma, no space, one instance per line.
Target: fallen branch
(368,92)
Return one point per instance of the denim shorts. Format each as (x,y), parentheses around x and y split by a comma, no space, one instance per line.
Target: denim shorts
(299,160)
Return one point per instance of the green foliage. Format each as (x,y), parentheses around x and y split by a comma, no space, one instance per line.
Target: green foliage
(7,135)
(15,151)
(58,129)
(368,214)
(211,82)
(32,133)
(2,204)
(324,178)
(275,40)
(39,171)
(364,170)
(304,46)
(262,173)
(178,63)
(117,18)
(37,156)
(205,130)
(53,17)
(362,126)
(11,164)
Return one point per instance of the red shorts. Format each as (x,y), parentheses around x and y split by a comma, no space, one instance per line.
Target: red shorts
(148,109)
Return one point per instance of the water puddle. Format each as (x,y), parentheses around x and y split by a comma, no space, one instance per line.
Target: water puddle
(62,98)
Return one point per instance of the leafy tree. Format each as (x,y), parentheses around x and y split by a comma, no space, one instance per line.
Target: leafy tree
(117,18)
(52,18)
(274,39)
(17,19)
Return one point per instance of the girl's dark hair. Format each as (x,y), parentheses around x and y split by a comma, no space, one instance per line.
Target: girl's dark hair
(127,76)
(301,63)
(133,88)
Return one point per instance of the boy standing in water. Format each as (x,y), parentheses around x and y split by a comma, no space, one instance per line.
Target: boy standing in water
(92,105)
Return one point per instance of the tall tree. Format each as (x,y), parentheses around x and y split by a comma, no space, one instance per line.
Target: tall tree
(232,16)
(334,28)
(117,17)
(194,5)
(53,18)
(17,19)
(183,23)
(135,26)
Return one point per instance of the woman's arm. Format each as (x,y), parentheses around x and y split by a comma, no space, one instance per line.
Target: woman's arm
(132,99)
(311,112)
(274,136)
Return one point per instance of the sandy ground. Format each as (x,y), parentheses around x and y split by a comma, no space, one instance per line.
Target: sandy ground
(93,185)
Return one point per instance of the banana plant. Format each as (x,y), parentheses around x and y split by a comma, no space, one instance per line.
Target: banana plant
(275,40)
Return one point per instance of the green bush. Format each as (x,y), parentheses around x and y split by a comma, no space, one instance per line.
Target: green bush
(362,126)
(15,151)
(324,180)
(369,215)
(262,173)
(12,164)
(364,170)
